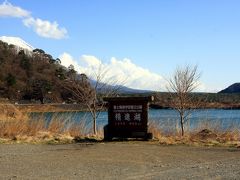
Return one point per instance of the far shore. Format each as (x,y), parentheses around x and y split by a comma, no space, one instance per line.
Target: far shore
(58,107)
(207,106)
(53,107)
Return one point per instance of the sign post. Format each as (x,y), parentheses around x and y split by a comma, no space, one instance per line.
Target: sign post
(127,117)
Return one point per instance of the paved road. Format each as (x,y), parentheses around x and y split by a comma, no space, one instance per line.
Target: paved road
(118,160)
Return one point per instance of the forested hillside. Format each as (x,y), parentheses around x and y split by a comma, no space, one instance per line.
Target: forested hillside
(33,76)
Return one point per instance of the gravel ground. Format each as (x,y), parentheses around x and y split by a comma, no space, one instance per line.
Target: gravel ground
(118,160)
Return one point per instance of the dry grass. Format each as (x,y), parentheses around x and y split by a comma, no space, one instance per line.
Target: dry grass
(17,126)
(9,112)
(209,134)
(155,129)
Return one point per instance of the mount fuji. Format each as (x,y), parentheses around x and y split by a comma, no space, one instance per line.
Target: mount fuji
(17,42)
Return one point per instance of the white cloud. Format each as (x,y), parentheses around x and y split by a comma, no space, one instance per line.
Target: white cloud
(136,76)
(8,10)
(90,61)
(120,70)
(45,28)
(67,60)
(123,70)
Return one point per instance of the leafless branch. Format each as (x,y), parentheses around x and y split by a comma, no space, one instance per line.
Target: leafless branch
(185,80)
(91,94)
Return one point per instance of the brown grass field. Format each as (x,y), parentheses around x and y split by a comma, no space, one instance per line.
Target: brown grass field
(17,127)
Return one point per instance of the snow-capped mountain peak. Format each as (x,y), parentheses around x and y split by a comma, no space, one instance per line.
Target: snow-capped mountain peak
(17,42)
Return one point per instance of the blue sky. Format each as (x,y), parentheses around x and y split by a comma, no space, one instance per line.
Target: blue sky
(142,39)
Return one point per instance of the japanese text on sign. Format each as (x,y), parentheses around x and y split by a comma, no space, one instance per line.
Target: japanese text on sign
(128,113)
(127,108)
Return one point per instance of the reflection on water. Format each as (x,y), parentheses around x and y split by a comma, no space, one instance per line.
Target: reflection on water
(166,118)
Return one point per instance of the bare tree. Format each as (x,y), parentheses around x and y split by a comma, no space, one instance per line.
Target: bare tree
(181,86)
(90,91)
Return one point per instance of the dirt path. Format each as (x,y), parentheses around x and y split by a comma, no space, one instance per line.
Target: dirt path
(118,160)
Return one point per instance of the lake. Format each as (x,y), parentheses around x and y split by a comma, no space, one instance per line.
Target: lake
(165,119)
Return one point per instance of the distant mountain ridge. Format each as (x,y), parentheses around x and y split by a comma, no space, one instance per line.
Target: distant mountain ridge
(234,88)
(120,88)
(127,90)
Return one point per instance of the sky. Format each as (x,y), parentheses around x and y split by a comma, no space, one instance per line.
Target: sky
(139,41)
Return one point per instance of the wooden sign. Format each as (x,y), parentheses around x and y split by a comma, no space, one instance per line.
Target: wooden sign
(127,117)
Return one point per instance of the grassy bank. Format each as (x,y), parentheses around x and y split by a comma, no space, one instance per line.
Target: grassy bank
(17,127)
(205,133)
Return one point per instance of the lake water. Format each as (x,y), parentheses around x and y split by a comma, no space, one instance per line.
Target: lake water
(166,119)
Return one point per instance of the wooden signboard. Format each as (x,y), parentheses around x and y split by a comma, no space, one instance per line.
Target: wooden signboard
(127,117)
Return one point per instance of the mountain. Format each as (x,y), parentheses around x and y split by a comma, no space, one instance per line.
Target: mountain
(234,88)
(17,42)
(126,90)
(119,88)
(40,77)
(31,78)
(21,44)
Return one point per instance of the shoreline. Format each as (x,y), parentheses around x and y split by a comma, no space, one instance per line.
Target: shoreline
(208,106)
(56,107)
